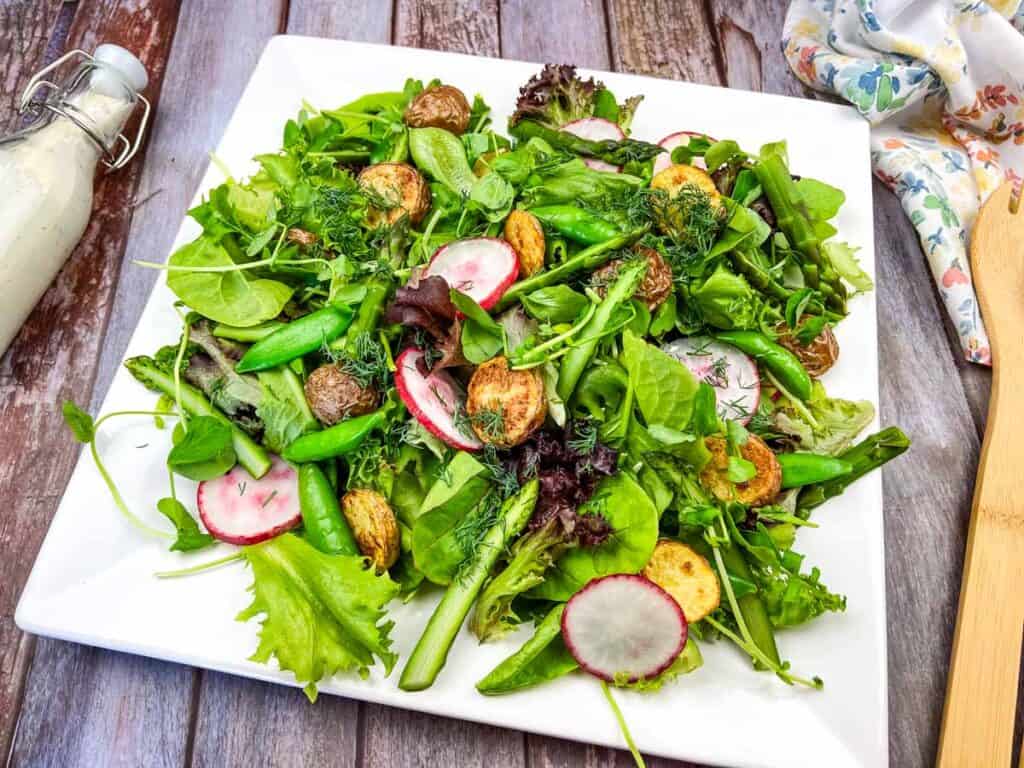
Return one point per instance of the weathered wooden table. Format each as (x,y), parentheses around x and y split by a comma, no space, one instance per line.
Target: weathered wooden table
(69,705)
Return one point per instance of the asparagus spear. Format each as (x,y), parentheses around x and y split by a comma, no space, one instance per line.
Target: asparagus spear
(431,651)
(610,151)
(250,453)
(871,453)
(781,191)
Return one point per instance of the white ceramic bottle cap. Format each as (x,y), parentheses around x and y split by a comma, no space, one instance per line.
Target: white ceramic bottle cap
(125,64)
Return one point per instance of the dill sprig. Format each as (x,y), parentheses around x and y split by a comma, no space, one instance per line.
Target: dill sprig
(368,363)
(504,478)
(584,437)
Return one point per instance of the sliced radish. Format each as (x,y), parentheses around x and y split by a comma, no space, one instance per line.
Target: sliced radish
(240,510)
(596,129)
(733,375)
(481,267)
(624,625)
(433,399)
(670,142)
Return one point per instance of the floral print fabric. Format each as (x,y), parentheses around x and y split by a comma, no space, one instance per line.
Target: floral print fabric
(942,83)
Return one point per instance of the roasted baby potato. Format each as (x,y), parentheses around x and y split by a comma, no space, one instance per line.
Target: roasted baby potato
(818,356)
(672,180)
(443,106)
(334,395)
(686,576)
(757,491)
(401,190)
(654,288)
(301,237)
(374,526)
(504,406)
(526,236)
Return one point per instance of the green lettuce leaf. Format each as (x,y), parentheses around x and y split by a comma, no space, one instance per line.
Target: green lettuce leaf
(324,613)
(846,264)
(837,422)
(664,388)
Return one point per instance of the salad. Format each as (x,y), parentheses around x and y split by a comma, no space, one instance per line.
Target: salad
(562,376)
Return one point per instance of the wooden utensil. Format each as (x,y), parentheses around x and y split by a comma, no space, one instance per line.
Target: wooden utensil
(981,698)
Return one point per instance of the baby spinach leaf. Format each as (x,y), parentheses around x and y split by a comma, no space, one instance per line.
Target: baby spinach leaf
(822,200)
(720,153)
(79,422)
(634,521)
(225,297)
(664,388)
(190,538)
(440,154)
(205,451)
(796,304)
(541,658)
(555,304)
(482,336)
(493,196)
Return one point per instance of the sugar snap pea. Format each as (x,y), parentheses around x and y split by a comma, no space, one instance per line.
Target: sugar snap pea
(782,363)
(335,441)
(325,527)
(799,469)
(297,338)
(576,224)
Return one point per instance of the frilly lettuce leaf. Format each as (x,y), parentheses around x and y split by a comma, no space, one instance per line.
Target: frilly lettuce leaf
(323,613)
(846,264)
(838,422)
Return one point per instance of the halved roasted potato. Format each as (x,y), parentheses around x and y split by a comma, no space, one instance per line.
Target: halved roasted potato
(443,106)
(504,406)
(374,525)
(654,288)
(672,180)
(685,575)
(526,236)
(760,489)
(818,356)
(401,191)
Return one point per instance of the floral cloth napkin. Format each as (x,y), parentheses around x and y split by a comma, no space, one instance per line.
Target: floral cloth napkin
(942,83)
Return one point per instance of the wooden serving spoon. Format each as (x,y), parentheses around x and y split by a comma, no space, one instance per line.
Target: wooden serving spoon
(981,698)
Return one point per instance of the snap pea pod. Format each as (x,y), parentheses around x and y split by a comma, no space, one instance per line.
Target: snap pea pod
(576,224)
(431,651)
(250,453)
(541,658)
(248,335)
(335,441)
(782,363)
(799,469)
(867,455)
(325,527)
(367,316)
(575,362)
(587,259)
(297,338)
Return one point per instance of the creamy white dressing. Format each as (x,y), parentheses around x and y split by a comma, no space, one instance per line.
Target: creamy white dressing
(46,185)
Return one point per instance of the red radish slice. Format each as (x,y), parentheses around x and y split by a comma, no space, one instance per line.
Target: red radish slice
(624,625)
(596,129)
(481,267)
(433,399)
(670,142)
(733,375)
(240,510)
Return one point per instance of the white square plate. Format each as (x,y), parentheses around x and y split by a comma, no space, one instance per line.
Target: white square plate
(93,580)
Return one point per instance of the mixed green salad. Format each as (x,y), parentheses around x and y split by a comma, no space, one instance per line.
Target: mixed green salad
(562,376)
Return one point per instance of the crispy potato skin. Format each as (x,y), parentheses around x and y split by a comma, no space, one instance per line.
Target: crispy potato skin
(518,396)
(334,395)
(374,525)
(526,236)
(402,186)
(818,356)
(654,288)
(760,489)
(686,576)
(443,106)
(301,237)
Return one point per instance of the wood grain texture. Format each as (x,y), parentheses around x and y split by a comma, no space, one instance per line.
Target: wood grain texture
(25,30)
(556,31)
(981,698)
(343,19)
(54,357)
(461,26)
(664,38)
(244,722)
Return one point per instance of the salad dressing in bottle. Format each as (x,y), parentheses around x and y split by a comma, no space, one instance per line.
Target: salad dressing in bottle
(47,171)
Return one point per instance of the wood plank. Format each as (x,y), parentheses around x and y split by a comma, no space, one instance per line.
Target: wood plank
(927,493)
(244,722)
(26,28)
(573,31)
(462,26)
(664,38)
(54,357)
